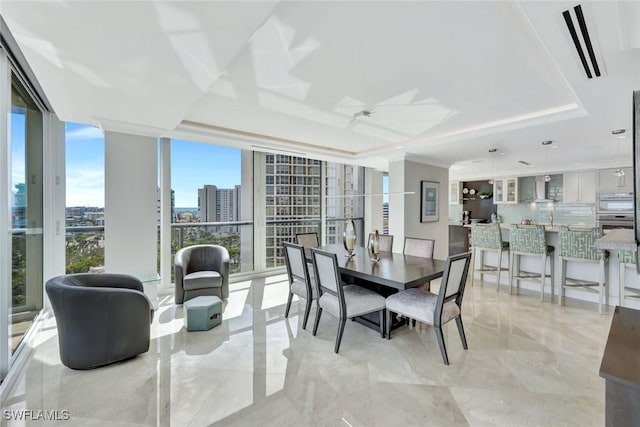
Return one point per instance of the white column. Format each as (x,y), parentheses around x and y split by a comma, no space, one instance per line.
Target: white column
(130,212)
(404,210)
(166,263)
(54,184)
(246,212)
(259,212)
(5,217)
(373,204)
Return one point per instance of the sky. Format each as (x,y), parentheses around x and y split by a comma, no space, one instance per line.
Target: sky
(192,166)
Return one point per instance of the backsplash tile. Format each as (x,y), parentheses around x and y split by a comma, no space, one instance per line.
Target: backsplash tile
(563,213)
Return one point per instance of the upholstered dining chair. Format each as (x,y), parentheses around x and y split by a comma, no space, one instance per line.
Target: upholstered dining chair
(301,283)
(102,318)
(385,242)
(308,240)
(414,246)
(343,301)
(435,309)
(201,270)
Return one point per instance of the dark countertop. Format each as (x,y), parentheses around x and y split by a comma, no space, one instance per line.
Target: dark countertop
(621,358)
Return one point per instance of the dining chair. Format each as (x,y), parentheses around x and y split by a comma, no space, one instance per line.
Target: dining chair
(626,259)
(342,301)
(435,309)
(301,283)
(418,247)
(577,244)
(308,240)
(385,242)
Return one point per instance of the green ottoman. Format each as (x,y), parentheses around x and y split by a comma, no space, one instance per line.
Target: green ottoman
(202,313)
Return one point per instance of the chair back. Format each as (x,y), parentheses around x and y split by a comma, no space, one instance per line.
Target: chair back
(296,264)
(205,257)
(528,239)
(486,236)
(385,242)
(418,247)
(308,240)
(579,242)
(325,265)
(628,257)
(453,282)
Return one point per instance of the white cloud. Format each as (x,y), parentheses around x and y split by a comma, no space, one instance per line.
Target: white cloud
(85,187)
(85,132)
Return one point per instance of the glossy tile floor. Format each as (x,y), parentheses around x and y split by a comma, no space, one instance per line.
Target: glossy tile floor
(528,363)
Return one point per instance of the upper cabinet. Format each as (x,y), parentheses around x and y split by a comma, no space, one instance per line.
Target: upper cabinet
(580,187)
(505,190)
(454,193)
(609,181)
(527,189)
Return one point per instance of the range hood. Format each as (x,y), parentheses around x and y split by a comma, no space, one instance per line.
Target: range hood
(541,191)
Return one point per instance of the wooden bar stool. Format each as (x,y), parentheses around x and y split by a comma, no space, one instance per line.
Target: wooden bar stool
(530,240)
(487,237)
(577,244)
(627,259)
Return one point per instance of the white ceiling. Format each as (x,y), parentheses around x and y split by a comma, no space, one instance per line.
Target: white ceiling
(445,81)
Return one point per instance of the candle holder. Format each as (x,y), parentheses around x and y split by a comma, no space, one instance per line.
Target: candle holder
(349,237)
(374,246)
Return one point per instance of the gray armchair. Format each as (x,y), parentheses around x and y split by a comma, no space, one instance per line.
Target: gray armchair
(102,318)
(201,270)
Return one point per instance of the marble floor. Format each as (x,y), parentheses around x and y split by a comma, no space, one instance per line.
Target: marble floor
(528,364)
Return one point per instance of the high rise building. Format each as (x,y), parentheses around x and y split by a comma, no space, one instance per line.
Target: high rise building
(295,188)
(173,206)
(219,204)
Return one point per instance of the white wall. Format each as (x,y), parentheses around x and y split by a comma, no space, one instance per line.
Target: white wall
(130,212)
(404,210)
(373,204)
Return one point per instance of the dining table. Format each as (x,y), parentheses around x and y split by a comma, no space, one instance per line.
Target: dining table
(390,273)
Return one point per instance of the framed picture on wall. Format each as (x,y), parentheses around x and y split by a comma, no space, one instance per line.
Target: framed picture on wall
(429,201)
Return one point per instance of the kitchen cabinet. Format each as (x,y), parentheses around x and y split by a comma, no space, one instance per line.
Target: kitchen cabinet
(527,189)
(608,181)
(579,187)
(454,193)
(505,191)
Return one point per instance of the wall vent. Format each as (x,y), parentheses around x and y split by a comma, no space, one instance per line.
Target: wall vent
(582,41)
(522,162)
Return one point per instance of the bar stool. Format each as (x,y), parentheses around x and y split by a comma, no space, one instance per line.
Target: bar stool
(577,244)
(487,237)
(628,259)
(530,240)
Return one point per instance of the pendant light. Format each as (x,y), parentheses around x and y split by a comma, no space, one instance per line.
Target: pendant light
(546,144)
(492,151)
(619,173)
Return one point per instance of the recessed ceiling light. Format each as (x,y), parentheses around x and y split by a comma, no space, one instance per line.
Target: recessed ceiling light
(547,142)
(618,131)
(493,150)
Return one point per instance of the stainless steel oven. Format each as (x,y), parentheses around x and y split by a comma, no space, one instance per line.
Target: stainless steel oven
(614,203)
(609,221)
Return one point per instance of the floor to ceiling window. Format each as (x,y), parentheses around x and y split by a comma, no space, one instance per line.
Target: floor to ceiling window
(26,212)
(212,199)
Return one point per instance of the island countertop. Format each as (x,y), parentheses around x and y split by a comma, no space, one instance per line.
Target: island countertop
(618,239)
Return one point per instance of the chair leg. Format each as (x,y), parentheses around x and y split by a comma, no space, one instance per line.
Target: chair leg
(317,322)
(563,278)
(341,325)
(443,349)
(463,338)
(307,310)
(498,270)
(621,282)
(481,253)
(286,311)
(388,323)
(553,275)
(601,287)
(382,318)
(543,277)
(472,265)
(511,260)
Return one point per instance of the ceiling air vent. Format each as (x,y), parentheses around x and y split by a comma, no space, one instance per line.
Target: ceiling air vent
(582,41)
(522,162)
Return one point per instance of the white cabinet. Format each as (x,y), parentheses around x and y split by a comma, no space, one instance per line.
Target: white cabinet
(609,181)
(454,193)
(505,190)
(579,187)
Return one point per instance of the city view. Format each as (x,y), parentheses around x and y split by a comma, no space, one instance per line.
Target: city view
(214,205)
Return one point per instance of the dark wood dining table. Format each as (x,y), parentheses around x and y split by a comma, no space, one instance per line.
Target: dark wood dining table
(393,272)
